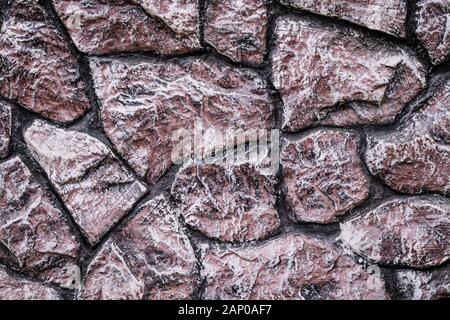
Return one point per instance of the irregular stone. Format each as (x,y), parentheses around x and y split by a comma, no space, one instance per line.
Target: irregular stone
(37,67)
(164,26)
(415,158)
(144,102)
(289,267)
(237,29)
(333,75)
(411,232)
(424,285)
(34,237)
(323,176)
(433,18)
(93,184)
(150,258)
(386,16)
(5,129)
(12,288)
(232,203)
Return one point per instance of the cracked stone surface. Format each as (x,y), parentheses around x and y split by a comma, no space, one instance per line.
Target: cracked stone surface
(233,203)
(415,158)
(167,27)
(332,75)
(13,288)
(237,29)
(38,68)
(150,258)
(5,129)
(144,102)
(323,176)
(424,285)
(433,25)
(93,184)
(411,232)
(289,267)
(34,236)
(385,16)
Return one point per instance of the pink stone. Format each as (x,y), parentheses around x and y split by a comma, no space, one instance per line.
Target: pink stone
(163,26)
(38,69)
(333,75)
(290,267)
(96,188)
(5,129)
(424,285)
(237,29)
(34,237)
(412,232)
(323,176)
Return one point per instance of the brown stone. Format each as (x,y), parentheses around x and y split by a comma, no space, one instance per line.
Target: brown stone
(333,75)
(433,28)
(150,258)
(424,285)
(5,129)
(411,232)
(34,237)
(323,176)
(237,29)
(37,67)
(415,158)
(92,182)
(144,102)
(12,288)
(163,26)
(232,203)
(386,16)
(289,267)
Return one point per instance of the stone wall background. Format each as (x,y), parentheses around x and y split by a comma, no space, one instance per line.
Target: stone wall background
(384,236)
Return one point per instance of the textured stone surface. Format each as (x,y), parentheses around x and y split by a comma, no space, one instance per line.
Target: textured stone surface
(231,203)
(12,288)
(237,29)
(411,232)
(323,176)
(93,184)
(336,76)
(5,129)
(150,258)
(162,26)
(424,285)
(37,67)
(289,267)
(386,16)
(34,237)
(415,158)
(433,28)
(143,102)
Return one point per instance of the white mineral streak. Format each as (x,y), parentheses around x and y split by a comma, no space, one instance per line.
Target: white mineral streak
(424,285)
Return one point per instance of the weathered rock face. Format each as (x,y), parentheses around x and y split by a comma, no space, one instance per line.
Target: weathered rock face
(323,176)
(237,29)
(12,288)
(381,15)
(416,157)
(336,76)
(410,232)
(144,102)
(34,237)
(93,184)
(5,129)
(289,267)
(149,258)
(37,67)
(432,28)
(163,26)
(230,203)
(424,285)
